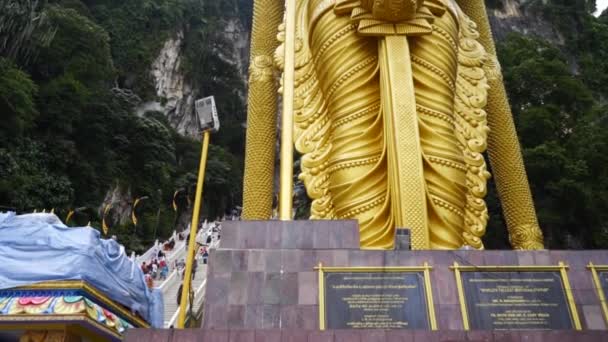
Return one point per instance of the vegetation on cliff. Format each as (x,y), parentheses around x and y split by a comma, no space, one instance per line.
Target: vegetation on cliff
(558,95)
(71,71)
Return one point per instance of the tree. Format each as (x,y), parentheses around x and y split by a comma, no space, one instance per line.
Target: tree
(23,28)
(79,48)
(25,181)
(562,129)
(17,103)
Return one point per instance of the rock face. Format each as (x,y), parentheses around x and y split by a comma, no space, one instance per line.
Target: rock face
(521,16)
(236,32)
(175,93)
(120,201)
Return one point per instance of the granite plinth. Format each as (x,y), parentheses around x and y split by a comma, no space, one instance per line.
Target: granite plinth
(261,286)
(317,234)
(303,335)
(262,275)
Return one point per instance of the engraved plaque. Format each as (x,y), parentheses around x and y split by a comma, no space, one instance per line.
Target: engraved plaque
(600,279)
(520,300)
(603,277)
(375,300)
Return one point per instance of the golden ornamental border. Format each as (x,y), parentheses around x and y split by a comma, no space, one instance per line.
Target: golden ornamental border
(561,267)
(425,269)
(598,286)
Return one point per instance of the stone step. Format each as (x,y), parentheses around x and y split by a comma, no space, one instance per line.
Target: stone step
(170,293)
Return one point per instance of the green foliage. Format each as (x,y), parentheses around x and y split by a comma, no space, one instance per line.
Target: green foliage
(204,49)
(223,179)
(77,6)
(586,39)
(17,106)
(68,133)
(79,48)
(562,125)
(137,28)
(23,27)
(27,183)
(559,99)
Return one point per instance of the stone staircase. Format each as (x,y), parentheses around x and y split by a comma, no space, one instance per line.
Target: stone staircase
(170,294)
(170,255)
(170,285)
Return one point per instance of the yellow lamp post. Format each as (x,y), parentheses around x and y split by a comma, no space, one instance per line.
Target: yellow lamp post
(286,162)
(209,122)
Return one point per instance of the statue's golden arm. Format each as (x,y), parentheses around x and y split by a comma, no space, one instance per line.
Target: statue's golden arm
(503,146)
(261,111)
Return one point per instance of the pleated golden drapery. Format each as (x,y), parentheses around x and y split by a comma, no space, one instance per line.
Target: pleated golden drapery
(391,123)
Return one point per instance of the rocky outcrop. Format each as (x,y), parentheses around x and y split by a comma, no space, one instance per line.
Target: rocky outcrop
(120,201)
(175,94)
(174,90)
(523,16)
(236,32)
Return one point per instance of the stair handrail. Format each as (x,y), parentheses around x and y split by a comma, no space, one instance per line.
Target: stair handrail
(197,293)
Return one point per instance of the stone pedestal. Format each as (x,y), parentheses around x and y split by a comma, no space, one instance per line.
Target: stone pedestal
(262,286)
(262,275)
(301,335)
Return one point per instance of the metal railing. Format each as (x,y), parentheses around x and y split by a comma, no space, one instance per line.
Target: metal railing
(198,299)
(198,294)
(149,254)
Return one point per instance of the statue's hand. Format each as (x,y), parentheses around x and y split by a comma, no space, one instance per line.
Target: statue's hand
(392,10)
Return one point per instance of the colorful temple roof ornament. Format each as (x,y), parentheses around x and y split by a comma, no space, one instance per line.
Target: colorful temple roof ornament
(56,280)
(66,304)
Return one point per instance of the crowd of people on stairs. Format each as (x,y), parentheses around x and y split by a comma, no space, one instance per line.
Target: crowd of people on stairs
(208,234)
(156,269)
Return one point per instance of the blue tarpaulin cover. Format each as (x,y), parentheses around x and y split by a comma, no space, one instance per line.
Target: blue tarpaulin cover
(39,247)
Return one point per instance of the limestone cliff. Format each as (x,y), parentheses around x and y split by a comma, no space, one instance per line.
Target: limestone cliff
(120,201)
(522,16)
(176,90)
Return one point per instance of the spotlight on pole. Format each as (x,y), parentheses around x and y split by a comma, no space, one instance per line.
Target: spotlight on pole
(206,113)
(208,121)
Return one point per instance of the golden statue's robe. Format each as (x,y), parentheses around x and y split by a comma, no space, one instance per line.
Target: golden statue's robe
(390,118)
(345,137)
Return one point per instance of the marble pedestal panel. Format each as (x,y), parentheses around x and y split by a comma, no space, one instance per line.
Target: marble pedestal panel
(262,275)
(301,335)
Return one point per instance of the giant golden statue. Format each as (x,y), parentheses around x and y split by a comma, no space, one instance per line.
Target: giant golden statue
(395,102)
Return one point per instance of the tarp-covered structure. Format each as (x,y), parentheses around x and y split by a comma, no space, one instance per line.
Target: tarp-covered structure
(39,247)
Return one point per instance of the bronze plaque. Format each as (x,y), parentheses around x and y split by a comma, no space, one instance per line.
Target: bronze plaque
(519,300)
(375,300)
(603,277)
